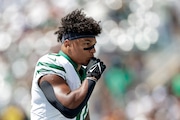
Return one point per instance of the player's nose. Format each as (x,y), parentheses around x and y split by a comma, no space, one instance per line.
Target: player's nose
(93,50)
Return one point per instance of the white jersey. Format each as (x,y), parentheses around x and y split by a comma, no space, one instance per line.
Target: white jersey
(59,64)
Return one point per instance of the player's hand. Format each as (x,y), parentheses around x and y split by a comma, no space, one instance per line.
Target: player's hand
(95,68)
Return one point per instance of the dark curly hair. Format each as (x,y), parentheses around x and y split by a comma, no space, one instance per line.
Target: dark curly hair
(77,22)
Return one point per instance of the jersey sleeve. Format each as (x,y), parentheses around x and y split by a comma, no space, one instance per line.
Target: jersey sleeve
(48,65)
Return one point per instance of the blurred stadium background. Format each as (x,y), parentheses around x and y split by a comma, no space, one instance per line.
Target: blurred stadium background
(140,45)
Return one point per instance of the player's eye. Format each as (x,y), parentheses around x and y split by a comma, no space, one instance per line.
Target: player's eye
(89,48)
(87,44)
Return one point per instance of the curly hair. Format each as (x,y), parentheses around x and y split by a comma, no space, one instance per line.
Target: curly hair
(77,22)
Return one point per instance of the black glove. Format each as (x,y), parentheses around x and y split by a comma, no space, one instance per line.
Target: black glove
(95,68)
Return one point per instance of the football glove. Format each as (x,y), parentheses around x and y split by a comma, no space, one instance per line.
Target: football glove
(95,68)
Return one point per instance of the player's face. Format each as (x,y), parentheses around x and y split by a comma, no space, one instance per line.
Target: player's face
(83,50)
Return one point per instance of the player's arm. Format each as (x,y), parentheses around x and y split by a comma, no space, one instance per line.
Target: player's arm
(68,98)
(68,102)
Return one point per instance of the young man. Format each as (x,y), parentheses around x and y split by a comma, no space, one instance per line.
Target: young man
(61,87)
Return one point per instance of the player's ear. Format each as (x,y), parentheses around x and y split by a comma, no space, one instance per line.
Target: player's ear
(67,43)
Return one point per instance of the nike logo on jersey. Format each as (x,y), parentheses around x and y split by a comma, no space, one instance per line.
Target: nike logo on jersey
(53,59)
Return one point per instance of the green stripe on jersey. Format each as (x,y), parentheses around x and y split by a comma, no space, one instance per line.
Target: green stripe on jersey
(78,116)
(51,66)
(43,70)
(85,112)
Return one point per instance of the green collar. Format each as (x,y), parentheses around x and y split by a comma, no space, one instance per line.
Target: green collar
(69,59)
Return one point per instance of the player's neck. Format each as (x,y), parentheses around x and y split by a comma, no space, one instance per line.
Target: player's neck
(66,52)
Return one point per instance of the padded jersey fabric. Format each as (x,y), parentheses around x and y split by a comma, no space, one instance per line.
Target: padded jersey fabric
(59,64)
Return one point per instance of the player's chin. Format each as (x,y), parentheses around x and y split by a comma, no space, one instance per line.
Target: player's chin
(86,62)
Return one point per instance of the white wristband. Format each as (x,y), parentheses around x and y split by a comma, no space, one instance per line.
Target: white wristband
(92,78)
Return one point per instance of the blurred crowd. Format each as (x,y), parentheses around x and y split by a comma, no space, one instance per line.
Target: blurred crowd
(139,44)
